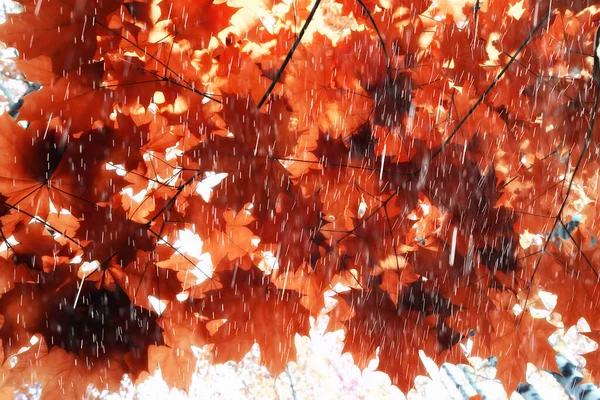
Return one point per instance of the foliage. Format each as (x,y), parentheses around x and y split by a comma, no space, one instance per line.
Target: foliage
(194,173)
(322,371)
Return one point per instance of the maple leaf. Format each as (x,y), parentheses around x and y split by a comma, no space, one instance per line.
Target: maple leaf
(331,101)
(146,284)
(78,311)
(572,275)
(254,299)
(65,32)
(112,235)
(43,254)
(296,220)
(175,365)
(69,376)
(247,152)
(373,321)
(72,175)
(240,238)
(197,22)
(529,340)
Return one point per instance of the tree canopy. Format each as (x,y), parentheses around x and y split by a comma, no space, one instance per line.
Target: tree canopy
(212,172)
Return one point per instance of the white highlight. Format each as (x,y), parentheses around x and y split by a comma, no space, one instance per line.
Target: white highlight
(205,187)
(362,209)
(159,305)
(453,248)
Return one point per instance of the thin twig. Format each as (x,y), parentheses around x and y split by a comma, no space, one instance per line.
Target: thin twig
(289,55)
(588,137)
(489,88)
(388,61)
